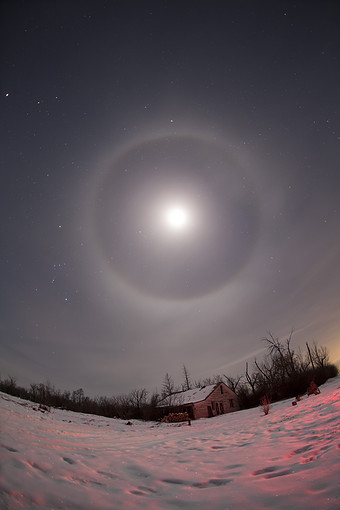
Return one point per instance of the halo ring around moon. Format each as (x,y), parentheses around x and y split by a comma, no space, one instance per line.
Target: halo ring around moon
(204,175)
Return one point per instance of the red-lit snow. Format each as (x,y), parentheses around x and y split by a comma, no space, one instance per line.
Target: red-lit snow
(287,460)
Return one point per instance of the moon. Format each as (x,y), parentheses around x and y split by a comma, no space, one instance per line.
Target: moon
(177,217)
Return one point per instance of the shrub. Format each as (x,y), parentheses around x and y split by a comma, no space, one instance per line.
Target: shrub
(265,403)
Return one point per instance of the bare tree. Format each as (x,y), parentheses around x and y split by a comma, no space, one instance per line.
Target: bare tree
(281,357)
(187,380)
(207,381)
(168,386)
(123,406)
(78,397)
(251,379)
(233,382)
(138,398)
(265,370)
(291,354)
(310,355)
(320,355)
(277,351)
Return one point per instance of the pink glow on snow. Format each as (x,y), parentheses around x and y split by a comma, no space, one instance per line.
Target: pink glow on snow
(61,460)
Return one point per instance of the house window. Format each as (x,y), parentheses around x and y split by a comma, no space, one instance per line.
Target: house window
(231,402)
(221,388)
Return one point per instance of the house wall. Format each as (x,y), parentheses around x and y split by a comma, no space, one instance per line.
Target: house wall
(217,403)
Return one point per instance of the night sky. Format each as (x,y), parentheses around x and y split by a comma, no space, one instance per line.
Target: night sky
(170,187)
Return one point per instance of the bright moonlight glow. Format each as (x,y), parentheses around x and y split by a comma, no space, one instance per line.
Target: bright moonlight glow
(177,217)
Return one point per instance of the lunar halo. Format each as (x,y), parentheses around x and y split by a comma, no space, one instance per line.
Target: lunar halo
(174,217)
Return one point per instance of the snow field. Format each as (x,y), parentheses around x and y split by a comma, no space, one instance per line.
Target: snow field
(289,459)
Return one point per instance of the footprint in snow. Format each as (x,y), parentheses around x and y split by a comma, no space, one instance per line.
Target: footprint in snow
(269,469)
(213,482)
(174,481)
(109,475)
(143,491)
(9,448)
(300,450)
(68,460)
(272,472)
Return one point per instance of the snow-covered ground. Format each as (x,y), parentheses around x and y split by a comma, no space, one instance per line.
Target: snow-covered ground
(289,459)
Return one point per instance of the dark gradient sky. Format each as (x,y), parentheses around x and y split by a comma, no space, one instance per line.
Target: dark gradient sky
(115,112)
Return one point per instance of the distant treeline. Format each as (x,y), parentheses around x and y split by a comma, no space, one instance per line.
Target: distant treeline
(283,373)
(138,404)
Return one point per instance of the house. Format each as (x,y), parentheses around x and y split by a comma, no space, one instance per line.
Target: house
(201,402)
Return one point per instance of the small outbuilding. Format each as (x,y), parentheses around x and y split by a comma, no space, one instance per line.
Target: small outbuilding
(202,402)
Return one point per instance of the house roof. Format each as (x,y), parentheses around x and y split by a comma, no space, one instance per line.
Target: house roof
(187,397)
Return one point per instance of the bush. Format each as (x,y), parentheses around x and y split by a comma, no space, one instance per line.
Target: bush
(265,403)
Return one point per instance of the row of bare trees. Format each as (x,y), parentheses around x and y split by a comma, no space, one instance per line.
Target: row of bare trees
(284,372)
(138,404)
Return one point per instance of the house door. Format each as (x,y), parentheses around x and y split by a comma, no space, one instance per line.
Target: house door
(210,413)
